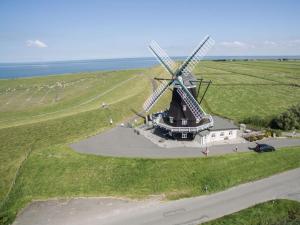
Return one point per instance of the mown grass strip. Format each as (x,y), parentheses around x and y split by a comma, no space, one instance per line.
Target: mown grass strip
(277,212)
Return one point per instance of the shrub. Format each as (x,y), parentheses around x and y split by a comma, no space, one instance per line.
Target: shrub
(288,120)
(277,132)
(270,132)
(257,121)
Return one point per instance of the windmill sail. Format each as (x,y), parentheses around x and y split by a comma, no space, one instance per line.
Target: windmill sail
(162,57)
(197,55)
(190,102)
(149,103)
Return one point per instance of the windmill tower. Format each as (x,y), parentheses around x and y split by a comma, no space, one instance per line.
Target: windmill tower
(185,117)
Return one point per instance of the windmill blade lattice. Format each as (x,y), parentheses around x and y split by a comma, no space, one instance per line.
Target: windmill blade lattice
(195,109)
(163,57)
(198,54)
(149,103)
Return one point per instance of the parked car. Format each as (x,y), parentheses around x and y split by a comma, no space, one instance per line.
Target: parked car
(264,148)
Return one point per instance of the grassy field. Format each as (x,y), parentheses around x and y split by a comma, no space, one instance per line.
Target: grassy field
(246,89)
(40,116)
(279,212)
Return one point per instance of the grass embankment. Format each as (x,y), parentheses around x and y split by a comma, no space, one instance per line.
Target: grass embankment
(29,100)
(278,212)
(50,116)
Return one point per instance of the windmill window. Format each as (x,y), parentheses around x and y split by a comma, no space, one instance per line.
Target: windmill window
(171,119)
(213,135)
(222,134)
(184,135)
(197,120)
(184,122)
(184,107)
(230,132)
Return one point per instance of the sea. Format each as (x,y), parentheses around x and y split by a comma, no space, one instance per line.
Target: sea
(31,69)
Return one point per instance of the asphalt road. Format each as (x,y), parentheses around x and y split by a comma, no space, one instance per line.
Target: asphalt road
(188,211)
(130,144)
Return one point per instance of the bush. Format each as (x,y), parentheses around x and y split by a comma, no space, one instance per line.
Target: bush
(288,120)
(271,132)
(277,132)
(257,121)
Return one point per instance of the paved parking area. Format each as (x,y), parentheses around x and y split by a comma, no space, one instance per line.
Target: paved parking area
(124,142)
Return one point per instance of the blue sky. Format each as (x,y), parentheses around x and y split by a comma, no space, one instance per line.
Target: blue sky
(67,30)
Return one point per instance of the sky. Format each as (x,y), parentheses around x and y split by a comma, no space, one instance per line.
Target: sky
(54,30)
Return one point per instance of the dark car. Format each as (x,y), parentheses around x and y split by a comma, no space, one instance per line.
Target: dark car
(264,148)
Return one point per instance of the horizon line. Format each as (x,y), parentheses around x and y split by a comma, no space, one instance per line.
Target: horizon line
(140,57)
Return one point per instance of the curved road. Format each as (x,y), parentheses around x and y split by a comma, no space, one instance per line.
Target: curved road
(190,211)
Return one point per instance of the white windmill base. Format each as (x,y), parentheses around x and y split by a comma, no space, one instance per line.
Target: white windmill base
(159,122)
(218,131)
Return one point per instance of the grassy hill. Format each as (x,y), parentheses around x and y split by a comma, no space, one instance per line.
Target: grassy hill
(40,116)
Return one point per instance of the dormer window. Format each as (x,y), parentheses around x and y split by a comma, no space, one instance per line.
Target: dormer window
(184,121)
(184,135)
(184,107)
(171,119)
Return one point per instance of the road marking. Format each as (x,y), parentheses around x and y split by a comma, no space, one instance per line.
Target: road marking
(174,212)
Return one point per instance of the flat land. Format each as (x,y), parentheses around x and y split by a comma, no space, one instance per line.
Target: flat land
(40,117)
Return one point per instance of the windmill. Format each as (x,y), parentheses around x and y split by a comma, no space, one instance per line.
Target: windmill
(185,116)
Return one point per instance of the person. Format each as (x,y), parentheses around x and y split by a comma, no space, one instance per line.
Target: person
(236,148)
(206,151)
(111,121)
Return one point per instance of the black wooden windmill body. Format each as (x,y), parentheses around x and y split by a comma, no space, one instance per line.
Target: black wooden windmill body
(185,117)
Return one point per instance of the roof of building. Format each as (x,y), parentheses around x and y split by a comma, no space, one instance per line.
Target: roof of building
(189,79)
(222,124)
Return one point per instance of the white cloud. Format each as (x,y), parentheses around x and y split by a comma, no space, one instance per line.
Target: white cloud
(295,42)
(234,44)
(270,43)
(258,47)
(36,44)
(282,44)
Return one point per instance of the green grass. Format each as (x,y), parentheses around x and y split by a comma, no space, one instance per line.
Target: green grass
(57,171)
(246,89)
(278,212)
(38,99)
(55,116)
